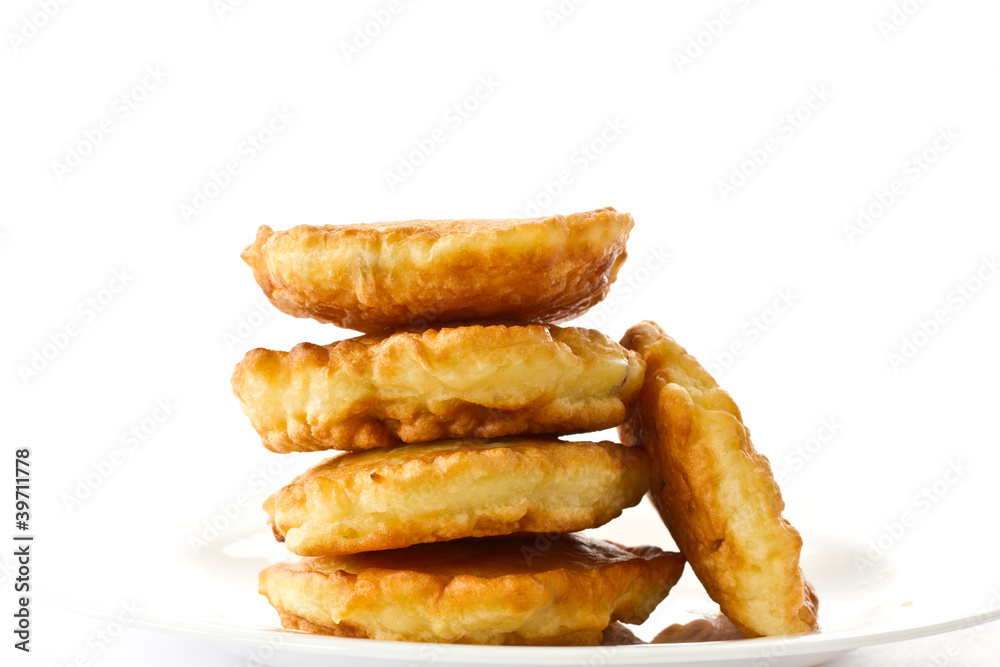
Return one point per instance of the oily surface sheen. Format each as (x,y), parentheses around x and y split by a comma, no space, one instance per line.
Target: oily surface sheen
(715,493)
(416,386)
(448,489)
(376,276)
(564,590)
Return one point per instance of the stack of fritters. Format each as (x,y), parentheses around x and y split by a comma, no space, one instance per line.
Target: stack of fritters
(450,407)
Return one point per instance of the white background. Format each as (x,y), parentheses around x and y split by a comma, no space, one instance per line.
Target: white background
(674,130)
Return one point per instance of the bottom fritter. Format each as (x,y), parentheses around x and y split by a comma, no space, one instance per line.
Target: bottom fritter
(562,590)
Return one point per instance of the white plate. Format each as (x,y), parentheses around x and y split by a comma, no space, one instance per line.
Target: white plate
(860,606)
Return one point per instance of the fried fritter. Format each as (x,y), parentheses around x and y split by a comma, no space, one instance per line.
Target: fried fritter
(432,492)
(559,591)
(376,276)
(417,386)
(715,493)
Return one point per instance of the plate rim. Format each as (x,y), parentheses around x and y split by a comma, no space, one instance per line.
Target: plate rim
(778,647)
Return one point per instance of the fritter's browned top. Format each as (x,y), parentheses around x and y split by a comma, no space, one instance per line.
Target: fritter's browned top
(448,489)
(563,590)
(376,276)
(417,386)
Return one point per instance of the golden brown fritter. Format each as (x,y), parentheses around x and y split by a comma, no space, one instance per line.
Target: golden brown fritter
(417,386)
(432,492)
(562,591)
(715,493)
(371,277)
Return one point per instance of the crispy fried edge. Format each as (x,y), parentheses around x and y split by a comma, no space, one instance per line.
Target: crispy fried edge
(643,586)
(688,430)
(590,274)
(284,507)
(466,419)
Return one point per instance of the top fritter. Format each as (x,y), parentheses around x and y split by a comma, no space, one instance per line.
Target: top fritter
(371,277)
